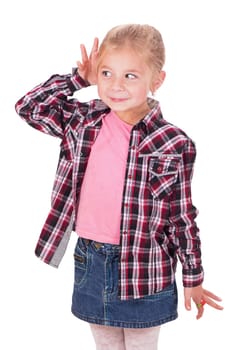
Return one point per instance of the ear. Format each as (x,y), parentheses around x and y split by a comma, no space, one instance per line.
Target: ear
(157,81)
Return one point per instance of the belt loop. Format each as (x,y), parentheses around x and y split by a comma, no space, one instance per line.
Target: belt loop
(86,241)
(97,245)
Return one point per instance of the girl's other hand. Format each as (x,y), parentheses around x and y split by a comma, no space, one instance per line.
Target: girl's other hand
(201,297)
(87,65)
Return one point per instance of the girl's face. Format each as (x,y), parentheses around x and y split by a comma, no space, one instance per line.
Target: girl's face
(124,81)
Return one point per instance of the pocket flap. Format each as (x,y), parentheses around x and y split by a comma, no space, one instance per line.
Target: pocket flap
(164,166)
(163,174)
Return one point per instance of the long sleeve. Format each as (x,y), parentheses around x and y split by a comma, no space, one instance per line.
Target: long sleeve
(47,106)
(183,226)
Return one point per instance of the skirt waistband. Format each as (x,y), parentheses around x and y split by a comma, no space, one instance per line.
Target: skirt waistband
(100,246)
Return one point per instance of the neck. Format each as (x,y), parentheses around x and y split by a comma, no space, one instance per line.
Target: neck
(133,117)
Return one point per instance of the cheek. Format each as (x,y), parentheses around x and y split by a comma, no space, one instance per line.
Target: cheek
(141,93)
(101,89)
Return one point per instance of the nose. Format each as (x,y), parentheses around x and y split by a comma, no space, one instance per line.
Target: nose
(117,84)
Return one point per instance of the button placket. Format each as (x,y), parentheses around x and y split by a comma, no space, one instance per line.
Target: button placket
(129,179)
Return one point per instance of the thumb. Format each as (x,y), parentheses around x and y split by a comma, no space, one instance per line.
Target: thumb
(187,303)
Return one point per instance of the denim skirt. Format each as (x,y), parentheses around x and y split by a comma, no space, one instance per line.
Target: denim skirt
(95,294)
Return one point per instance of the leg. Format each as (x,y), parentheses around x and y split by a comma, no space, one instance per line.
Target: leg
(108,338)
(141,338)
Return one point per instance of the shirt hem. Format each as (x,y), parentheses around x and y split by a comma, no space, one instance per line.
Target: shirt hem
(100,238)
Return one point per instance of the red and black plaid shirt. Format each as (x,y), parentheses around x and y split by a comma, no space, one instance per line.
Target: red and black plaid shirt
(157,216)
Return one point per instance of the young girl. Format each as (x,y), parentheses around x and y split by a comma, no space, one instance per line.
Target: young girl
(123,184)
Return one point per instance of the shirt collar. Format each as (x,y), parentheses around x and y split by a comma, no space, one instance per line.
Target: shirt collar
(151,121)
(148,124)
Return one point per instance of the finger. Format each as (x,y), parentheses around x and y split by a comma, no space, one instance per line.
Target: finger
(94,51)
(211,295)
(95,46)
(210,299)
(187,303)
(213,304)
(200,311)
(80,67)
(84,53)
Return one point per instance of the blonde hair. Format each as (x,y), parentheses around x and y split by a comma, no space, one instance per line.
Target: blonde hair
(143,38)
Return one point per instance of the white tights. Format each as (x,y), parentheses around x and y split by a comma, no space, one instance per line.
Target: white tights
(114,338)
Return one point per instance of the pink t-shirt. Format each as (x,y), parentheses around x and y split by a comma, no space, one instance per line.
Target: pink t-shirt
(99,211)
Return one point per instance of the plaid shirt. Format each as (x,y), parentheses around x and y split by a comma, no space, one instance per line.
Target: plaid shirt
(157,216)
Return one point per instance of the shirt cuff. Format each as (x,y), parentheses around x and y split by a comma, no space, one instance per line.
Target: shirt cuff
(193,277)
(76,82)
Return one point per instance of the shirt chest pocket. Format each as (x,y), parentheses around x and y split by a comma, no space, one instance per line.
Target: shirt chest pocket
(163,173)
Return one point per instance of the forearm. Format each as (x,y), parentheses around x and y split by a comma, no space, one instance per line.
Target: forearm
(47,107)
(183,227)
(187,240)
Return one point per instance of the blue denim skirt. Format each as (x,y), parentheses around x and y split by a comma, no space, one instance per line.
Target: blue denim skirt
(95,294)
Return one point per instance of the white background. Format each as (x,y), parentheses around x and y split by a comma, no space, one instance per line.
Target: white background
(40,38)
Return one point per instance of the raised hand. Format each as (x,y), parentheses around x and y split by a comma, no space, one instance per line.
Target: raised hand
(87,65)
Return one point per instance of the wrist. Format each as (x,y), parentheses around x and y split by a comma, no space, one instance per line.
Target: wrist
(78,81)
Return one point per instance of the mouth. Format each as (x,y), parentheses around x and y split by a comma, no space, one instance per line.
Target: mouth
(118,99)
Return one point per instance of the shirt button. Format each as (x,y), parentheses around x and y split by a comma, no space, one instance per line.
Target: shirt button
(160,169)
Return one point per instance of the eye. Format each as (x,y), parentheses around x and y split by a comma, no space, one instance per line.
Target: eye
(106,73)
(130,76)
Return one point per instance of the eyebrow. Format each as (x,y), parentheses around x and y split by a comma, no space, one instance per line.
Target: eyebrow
(132,70)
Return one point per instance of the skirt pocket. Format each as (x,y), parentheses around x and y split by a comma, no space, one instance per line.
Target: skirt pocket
(81,264)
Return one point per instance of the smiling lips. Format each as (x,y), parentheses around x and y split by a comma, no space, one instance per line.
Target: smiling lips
(118,99)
